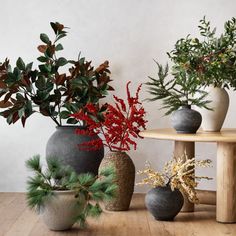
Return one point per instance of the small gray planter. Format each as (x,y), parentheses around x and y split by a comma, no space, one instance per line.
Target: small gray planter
(186,120)
(64,145)
(163,203)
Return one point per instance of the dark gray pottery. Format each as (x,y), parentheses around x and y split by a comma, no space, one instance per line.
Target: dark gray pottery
(163,203)
(64,145)
(186,120)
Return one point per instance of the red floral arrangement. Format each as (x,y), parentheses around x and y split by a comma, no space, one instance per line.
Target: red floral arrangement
(119,124)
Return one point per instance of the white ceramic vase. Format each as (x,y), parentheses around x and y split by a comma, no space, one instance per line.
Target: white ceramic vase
(59,212)
(212,120)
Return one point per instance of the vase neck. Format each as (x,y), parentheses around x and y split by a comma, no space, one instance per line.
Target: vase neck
(186,107)
(70,127)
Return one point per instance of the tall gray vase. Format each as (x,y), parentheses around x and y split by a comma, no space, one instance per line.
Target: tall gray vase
(64,145)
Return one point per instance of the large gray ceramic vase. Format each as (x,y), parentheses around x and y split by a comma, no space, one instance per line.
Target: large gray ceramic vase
(186,120)
(163,203)
(64,145)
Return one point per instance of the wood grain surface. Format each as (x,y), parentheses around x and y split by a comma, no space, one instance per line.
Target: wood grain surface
(226,135)
(17,220)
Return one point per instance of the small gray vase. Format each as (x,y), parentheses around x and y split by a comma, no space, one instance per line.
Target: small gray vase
(64,145)
(163,203)
(186,120)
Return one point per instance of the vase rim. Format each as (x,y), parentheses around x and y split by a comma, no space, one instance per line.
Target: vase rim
(71,127)
(63,191)
(116,151)
(186,106)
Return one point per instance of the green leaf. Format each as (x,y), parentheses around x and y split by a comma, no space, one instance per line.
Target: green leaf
(59,47)
(29,66)
(45,38)
(42,59)
(40,83)
(11,78)
(17,73)
(60,36)
(45,68)
(20,64)
(65,114)
(21,112)
(61,61)
(20,97)
(71,121)
(9,119)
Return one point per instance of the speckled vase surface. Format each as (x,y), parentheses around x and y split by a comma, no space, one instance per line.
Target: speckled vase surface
(163,203)
(59,212)
(186,120)
(213,120)
(125,177)
(64,145)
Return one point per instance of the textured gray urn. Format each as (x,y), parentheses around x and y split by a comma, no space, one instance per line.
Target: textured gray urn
(163,203)
(186,120)
(64,145)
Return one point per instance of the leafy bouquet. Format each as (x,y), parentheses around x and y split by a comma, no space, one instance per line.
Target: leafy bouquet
(211,59)
(47,90)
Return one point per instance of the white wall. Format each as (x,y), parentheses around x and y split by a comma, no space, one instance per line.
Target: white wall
(129,33)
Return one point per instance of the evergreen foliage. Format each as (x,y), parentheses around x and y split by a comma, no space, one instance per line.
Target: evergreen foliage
(176,92)
(93,189)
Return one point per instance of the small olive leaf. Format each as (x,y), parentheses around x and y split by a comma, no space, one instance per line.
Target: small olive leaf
(45,38)
(40,83)
(60,36)
(61,61)
(20,64)
(64,114)
(9,119)
(42,59)
(21,112)
(29,66)
(59,47)
(71,121)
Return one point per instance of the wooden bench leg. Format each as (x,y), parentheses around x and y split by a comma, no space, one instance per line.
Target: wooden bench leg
(226,184)
(182,147)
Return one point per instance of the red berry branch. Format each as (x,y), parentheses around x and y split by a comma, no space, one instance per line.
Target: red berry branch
(119,124)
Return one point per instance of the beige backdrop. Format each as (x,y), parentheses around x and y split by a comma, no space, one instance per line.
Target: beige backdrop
(128,33)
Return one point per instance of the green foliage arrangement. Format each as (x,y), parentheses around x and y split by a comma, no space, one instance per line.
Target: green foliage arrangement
(48,90)
(176,92)
(197,63)
(211,58)
(56,176)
